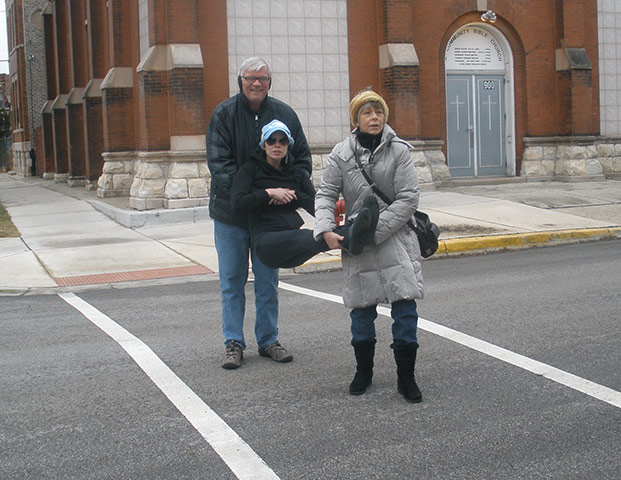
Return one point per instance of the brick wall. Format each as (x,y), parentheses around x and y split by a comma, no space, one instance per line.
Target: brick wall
(332,47)
(153,111)
(118,120)
(214,48)
(545,103)
(98,45)
(362,21)
(93,132)
(186,89)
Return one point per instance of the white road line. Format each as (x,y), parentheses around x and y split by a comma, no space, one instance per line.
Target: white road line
(580,384)
(236,453)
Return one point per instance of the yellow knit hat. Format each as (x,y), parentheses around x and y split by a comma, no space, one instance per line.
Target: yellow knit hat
(359,100)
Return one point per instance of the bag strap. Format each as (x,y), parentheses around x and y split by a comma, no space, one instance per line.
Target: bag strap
(375,188)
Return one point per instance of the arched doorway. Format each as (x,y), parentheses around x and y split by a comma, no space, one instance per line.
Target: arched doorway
(479,103)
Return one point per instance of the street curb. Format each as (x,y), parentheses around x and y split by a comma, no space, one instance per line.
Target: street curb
(446,248)
(135,219)
(490,243)
(324,265)
(464,246)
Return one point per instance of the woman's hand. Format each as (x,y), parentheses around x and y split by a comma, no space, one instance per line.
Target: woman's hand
(281,196)
(333,240)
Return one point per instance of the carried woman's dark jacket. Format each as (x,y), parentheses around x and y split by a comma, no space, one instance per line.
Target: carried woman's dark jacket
(234,132)
(248,195)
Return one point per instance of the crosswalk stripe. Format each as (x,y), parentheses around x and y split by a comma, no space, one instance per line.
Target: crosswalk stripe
(580,384)
(236,453)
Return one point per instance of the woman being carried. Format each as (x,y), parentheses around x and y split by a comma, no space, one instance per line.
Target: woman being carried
(270,189)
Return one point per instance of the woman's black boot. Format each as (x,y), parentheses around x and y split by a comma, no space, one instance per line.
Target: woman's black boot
(364,352)
(405,358)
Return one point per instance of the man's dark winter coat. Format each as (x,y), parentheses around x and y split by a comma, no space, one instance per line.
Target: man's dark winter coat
(233,134)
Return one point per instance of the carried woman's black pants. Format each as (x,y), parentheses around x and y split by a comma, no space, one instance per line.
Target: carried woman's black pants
(288,248)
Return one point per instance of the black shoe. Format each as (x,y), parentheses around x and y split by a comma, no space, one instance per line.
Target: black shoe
(362,231)
(405,358)
(372,205)
(407,387)
(362,380)
(364,352)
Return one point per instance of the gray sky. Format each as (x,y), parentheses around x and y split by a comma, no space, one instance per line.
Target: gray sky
(4,54)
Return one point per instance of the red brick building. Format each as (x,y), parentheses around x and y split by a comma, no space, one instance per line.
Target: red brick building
(480,87)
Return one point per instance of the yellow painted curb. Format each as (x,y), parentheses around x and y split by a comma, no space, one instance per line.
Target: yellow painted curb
(466,245)
(524,240)
(323,265)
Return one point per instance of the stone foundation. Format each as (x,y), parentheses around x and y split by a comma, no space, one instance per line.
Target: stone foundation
(430,162)
(180,179)
(571,158)
(76,181)
(609,153)
(118,174)
(427,156)
(173,179)
(170,180)
(22,163)
(152,180)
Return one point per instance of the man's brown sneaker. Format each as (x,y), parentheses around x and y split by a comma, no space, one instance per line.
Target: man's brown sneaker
(276,352)
(233,356)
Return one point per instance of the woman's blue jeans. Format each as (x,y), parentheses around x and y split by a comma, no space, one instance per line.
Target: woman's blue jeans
(233,246)
(404,326)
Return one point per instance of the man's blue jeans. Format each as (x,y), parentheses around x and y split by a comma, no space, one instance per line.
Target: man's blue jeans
(232,246)
(405,322)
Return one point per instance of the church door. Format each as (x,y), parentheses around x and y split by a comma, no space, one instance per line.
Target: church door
(475,105)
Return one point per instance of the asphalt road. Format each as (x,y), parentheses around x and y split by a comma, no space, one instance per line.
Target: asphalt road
(79,403)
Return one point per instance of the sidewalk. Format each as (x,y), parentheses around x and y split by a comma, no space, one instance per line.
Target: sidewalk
(70,238)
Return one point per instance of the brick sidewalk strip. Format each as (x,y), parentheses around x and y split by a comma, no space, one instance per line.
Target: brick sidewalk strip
(131,276)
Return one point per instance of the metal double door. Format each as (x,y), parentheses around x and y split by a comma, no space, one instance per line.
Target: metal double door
(475,112)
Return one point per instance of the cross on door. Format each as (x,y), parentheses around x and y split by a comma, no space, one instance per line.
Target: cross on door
(489,104)
(457,103)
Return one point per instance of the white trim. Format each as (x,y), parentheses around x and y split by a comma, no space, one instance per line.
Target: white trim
(75,96)
(482,5)
(169,57)
(118,77)
(397,55)
(187,142)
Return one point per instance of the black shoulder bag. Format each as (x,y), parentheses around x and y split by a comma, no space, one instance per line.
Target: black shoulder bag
(426,231)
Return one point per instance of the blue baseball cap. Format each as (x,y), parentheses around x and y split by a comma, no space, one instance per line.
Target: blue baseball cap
(275,126)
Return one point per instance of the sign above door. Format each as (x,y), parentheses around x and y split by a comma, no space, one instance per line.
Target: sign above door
(474,48)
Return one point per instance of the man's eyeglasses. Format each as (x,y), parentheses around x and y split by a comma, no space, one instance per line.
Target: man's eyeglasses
(252,79)
(282,140)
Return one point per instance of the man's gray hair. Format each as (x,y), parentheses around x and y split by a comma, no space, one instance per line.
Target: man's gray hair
(253,64)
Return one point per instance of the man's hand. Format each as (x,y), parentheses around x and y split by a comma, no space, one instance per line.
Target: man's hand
(333,240)
(281,196)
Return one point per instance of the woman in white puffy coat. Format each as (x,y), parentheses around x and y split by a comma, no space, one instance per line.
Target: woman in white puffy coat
(389,269)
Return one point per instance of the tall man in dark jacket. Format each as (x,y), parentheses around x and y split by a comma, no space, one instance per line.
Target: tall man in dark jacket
(234,132)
